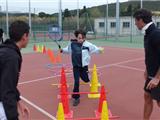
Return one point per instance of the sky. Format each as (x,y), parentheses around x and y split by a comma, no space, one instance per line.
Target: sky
(49,6)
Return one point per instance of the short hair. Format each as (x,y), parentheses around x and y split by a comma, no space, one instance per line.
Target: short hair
(143,14)
(17,29)
(80,31)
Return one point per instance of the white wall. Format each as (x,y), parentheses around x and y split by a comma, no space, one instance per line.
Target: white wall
(112,30)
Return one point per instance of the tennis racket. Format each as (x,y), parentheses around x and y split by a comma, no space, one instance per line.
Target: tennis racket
(55,33)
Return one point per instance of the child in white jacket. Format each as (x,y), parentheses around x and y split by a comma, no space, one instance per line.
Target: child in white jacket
(80,51)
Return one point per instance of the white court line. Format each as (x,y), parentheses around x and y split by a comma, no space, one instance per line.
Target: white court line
(38,108)
(131,68)
(100,67)
(36,80)
(40,79)
(127,61)
(127,49)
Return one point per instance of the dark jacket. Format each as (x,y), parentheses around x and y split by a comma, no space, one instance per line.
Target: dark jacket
(76,53)
(152,50)
(10,65)
(1,35)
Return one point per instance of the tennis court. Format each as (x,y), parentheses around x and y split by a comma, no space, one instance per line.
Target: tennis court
(121,72)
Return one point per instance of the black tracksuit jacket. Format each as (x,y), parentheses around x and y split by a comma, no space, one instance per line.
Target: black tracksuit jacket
(152,50)
(10,65)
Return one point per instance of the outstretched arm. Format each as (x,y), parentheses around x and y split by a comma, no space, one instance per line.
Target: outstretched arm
(67,49)
(95,49)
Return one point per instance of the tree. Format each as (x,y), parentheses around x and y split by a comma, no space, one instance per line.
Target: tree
(95,12)
(84,10)
(129,9)
(67,13)
(42,14)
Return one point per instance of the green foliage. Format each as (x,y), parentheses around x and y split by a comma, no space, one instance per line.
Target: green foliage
(66,13)
(83,11)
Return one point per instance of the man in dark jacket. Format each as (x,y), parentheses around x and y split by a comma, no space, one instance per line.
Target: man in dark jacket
(10,65)
(143,21)
(1,35)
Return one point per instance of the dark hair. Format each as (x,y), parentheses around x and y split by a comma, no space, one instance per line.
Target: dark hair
(80,31)
(17,29)
(143,14)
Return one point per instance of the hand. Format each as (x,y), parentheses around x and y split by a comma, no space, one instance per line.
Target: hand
(153,83)
(60,50)
(101,49)
(23,110)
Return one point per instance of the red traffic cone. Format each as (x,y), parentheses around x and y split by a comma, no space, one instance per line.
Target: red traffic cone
(65,101)
(51,56)
(44,49)
(102,98)
(34,48)
(63,77)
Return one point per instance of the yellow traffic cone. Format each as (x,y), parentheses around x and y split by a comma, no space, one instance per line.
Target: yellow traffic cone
(94,78)
(94,84)
(38,49)
(41,51)
(60,112)
(94,92)
(105,113)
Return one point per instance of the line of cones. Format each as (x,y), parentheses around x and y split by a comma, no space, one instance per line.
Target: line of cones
(64,96)
(52,57)
(39,48)
(102,113)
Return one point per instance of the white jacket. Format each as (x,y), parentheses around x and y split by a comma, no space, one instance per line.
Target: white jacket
(86,55)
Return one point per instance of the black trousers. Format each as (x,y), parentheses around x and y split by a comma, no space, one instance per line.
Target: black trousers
(79,72)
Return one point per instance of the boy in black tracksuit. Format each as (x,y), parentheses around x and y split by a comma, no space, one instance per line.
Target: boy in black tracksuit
(10,66)
(80,53)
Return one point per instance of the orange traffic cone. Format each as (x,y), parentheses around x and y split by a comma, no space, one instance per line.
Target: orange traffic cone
(63,90)
(63,77)
(65,101)
(51,56)
(102,98)
(59,58)
(103,110)
(34,48)
(44,50)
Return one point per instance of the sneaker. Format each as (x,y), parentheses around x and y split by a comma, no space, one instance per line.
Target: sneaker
(76,102)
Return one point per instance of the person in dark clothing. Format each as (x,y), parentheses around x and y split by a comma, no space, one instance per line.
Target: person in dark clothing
(80,50)
(143,21)
(10,66)
(1,35)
